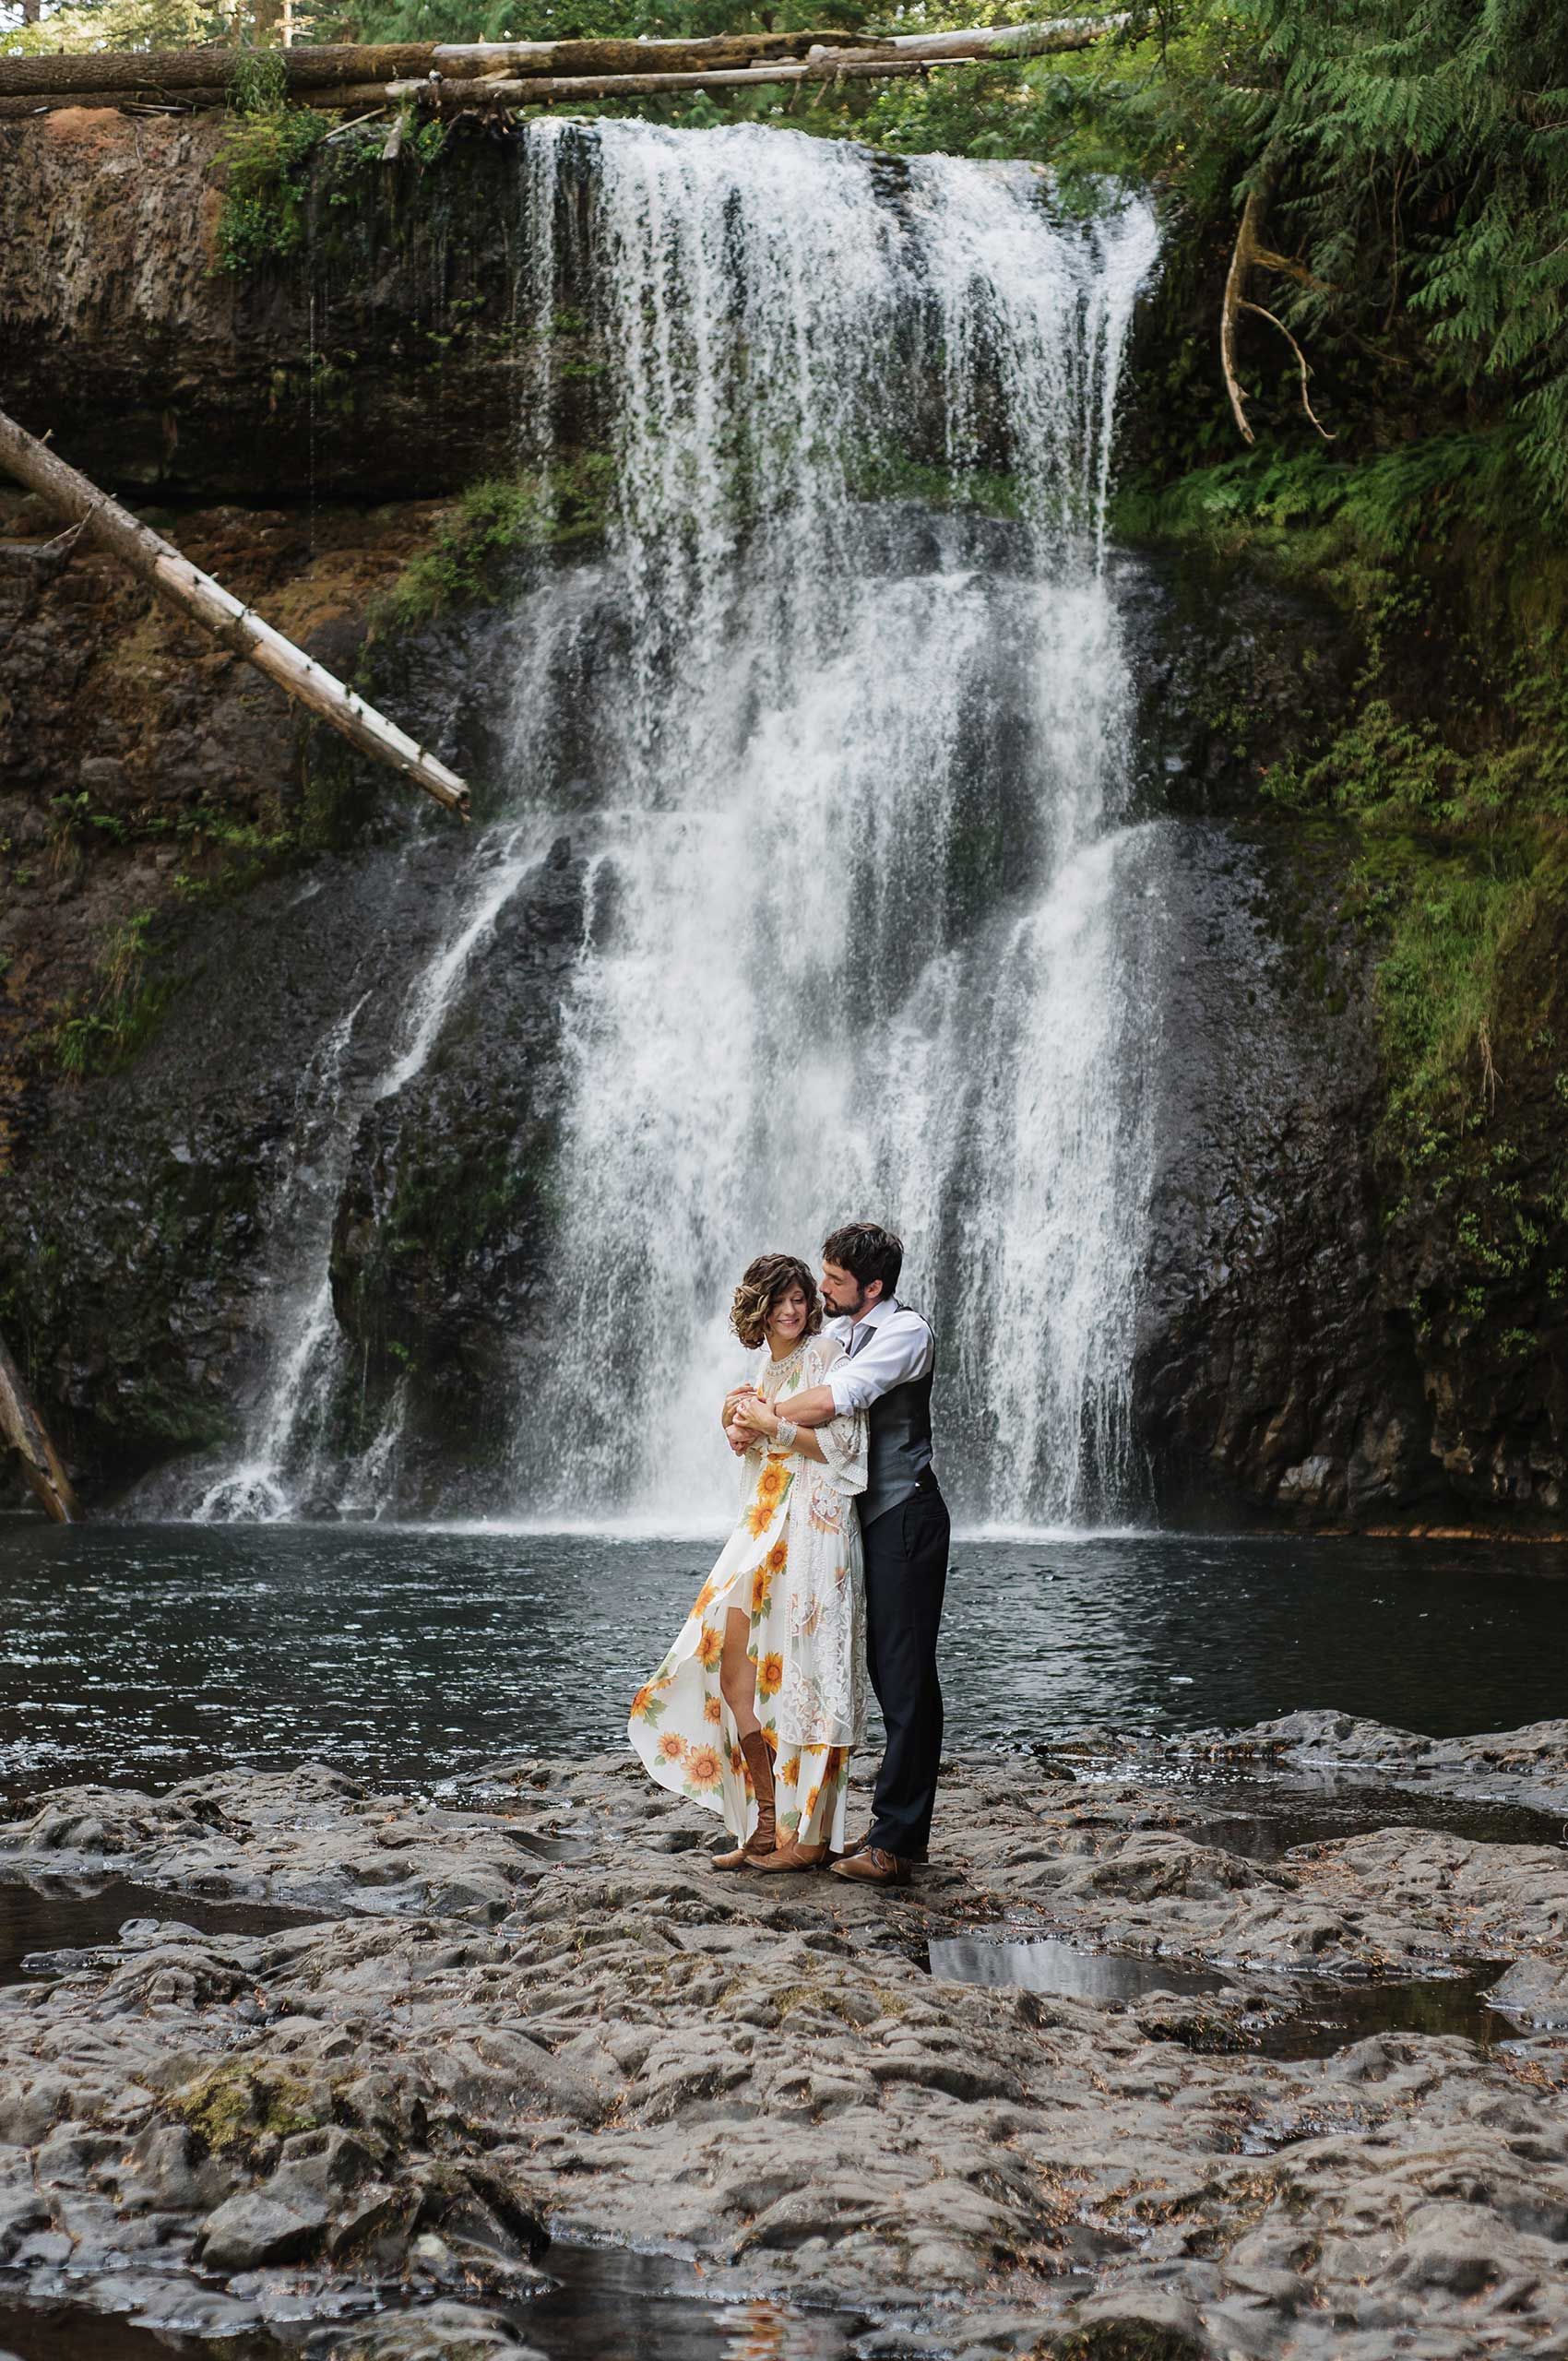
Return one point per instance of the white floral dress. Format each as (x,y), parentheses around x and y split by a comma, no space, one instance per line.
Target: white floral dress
(793,1564)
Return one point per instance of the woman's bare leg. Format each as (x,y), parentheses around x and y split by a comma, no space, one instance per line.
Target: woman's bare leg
(737,1673)
(737,1679)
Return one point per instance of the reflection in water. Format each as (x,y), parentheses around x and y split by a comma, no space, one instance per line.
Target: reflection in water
(607,2304)
(147,1654)
(1333,2017)
(65,1915)
(1041,1964)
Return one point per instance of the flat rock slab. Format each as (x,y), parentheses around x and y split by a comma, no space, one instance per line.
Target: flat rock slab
(537,2007)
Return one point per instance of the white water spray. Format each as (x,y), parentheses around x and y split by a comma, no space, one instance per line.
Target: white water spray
(872,951)
(866,930)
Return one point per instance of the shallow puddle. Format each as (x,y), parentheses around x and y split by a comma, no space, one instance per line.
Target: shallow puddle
(609,2304)
(36,1920)
(58,2332)
(1335,2016)
(615,2306)
(1043,1963)
(1259,1822)
(1307,2018)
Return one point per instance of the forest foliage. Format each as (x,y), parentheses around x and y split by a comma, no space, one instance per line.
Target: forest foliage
(1410,158)
(1412,155)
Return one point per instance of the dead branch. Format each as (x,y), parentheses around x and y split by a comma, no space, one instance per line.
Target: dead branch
(1300,363)
(1246,255)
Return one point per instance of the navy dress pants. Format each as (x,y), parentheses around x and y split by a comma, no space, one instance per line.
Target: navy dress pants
(906,1555)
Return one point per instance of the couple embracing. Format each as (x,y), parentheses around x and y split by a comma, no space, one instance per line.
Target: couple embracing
(838,1564)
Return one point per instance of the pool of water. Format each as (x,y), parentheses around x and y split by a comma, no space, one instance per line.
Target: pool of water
(606,2304)
(142,1654)
(38,1921)
(1262,1820)
(1331,2017)
(1044,1964)
(1307,2016)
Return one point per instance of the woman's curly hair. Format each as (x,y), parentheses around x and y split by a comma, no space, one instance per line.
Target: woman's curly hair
(762,1284)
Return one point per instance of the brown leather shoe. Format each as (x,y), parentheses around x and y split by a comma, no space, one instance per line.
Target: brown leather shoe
(758,1846)
(870,1866)
(790,1855)
(857,1845)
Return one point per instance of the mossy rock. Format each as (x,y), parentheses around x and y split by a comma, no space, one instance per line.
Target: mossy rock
(236,2107)
(1124,2340)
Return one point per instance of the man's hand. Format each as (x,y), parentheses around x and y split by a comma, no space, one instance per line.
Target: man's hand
(732,1400)
(756,1416)
(739,1440)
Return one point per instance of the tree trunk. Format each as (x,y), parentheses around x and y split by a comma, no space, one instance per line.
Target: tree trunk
(310,67)
(22,1429)
(196,594)
(322,76)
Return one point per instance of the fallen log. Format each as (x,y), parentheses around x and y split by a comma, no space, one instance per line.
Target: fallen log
(218,611)
(887,60)
(450,76)
(318,67)
(22,1430)
(535,89)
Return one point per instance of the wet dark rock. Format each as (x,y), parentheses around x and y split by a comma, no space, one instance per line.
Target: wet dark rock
(440,1245)
(270,2225)
(379,358)
(1325,1337)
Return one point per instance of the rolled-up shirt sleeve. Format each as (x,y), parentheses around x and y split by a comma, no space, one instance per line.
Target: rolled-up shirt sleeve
(897,1351)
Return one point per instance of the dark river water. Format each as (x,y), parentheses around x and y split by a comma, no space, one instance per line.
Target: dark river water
(144,1654)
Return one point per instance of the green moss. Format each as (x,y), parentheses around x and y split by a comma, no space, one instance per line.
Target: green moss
(1448,776)
(102,1030)
(1446,924)
(493,523)
(235,2106)
(266,160)
(886,475)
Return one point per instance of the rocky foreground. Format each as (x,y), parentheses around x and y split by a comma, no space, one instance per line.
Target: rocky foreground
(532,2011)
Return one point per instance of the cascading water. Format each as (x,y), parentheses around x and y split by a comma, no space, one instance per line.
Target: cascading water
(866,934)
(875,934)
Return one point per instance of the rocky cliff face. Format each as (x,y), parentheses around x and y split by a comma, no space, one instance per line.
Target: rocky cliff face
(377,357)
(198,890)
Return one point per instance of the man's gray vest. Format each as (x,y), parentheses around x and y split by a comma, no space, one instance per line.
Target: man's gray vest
(898,1435)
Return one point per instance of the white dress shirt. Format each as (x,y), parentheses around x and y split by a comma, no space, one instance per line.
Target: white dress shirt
(900,1347)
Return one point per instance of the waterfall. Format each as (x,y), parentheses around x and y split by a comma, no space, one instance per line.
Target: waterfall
(868,930)
(876,924)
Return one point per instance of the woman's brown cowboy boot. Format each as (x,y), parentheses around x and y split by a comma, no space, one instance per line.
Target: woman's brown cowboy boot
(759,1762)
(792,1856)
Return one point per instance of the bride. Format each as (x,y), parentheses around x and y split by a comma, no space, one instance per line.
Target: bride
(757,1707)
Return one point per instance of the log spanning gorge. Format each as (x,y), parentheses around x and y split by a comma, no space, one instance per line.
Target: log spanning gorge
(838,774)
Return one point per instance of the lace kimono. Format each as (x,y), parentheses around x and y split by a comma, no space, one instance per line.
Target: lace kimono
(793,1565)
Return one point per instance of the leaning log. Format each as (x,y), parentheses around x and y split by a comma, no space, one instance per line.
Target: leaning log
(22,1430)
(237,626)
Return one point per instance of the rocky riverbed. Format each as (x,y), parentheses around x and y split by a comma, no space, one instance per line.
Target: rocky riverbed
(526,2011)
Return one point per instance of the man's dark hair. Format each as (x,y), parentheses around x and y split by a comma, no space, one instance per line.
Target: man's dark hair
(868,1252)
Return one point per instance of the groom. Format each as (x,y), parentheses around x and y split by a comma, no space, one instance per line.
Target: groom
(905,1528)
